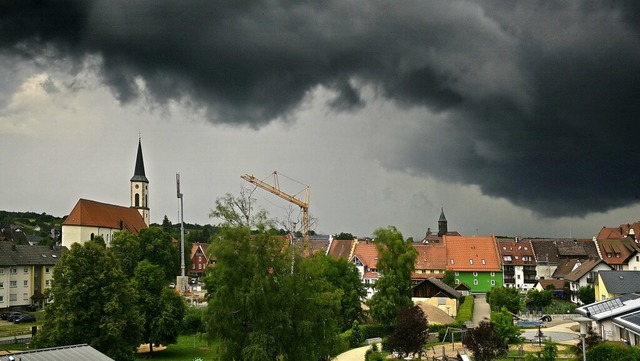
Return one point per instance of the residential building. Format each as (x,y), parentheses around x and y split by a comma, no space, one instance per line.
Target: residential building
(550,251)
(200,261)
(474,260)
(342,248)
(26,272)
(557,286)
(518,264)
(612,284)
(584,275)
(365,257)
(629,328)
(604,312)
(430,261)
(621,254)
(434,292)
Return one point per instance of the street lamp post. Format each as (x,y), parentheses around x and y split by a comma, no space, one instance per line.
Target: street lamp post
(584,322)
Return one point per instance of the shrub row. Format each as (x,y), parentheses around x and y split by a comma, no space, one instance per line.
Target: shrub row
(465,311)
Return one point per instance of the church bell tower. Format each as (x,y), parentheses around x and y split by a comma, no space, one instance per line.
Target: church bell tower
(140,187)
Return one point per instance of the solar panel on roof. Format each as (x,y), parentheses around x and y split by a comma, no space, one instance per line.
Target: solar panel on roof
(604,306)
(632,318)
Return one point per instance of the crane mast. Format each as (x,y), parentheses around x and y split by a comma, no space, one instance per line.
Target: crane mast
(303,204)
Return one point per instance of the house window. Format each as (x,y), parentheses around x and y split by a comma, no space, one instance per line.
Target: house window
(475,274)
(617,254)
(1,299)
(47,283)
(457,281)
(484,261)
(26,270)
(1,285)
(493,282)
(13,297)
(457,274)
(451,261)
(13,284)
(25,283)
(609,254)
(506,258)
(47,270)
(475,282)
(14,271)
(2,269)
(442,301)
(25,296)
(470,261)
(637,260)
(493,274)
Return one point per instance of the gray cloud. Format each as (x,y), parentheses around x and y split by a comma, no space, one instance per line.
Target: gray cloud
(539,98)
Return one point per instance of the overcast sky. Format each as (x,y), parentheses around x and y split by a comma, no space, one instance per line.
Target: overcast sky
(519,118)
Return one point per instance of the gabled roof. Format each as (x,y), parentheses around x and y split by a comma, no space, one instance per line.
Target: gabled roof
(584,268)
(342,248)
(24,254)
(199,246)
(516,249)
(629,321)
(618,251)
(621,231)
(552,250)
(367,253)
(557,284)
(462,286)
(95,214)
(620,282)
(565,267)
(431,256)
(138,173)
(610,308)
(472,253)
(438,287)
(82,352)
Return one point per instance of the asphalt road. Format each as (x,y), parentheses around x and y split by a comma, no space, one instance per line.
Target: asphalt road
(481,310)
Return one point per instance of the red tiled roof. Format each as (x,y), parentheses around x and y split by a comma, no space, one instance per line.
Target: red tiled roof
(431,256)
(516,250)
(342,248)
(621,231)
(617,251)
(195,246)
(557,284)
(367,253)
(472,253)
(96,214)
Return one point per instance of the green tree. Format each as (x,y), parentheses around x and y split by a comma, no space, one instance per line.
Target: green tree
(538,300)
(238,211)
(410,332)
(500,297)
(162,309)
(503,321)
(260,308)
(344,235)
(157,247)
(344,275)
(125,246)
(485,342)
(92,303)
(587,294)
(356,335)
(449,278)
(548,353)
(193,321)
(396,263)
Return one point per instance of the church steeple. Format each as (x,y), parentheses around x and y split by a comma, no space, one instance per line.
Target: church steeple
(140,187)
(442,224)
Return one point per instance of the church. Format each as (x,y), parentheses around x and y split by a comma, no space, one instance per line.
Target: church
(90,219)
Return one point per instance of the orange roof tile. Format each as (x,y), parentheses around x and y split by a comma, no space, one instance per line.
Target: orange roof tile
(96,214)
(472,253)
(617,251)
(431,256)
(342,248)
(516,250)
(367,253)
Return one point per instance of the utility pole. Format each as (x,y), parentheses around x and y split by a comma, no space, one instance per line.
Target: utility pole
(182,266)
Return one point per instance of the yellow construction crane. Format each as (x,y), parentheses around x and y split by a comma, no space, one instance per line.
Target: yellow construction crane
(303,204)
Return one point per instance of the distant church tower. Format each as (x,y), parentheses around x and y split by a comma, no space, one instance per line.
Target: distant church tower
(140,187)
(442,224)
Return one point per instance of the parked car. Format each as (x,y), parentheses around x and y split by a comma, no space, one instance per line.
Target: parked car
(25,319)
(13,315)
(5,315)
(172,285)
(31,308)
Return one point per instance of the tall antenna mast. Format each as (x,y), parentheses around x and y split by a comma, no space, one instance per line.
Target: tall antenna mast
(182,283)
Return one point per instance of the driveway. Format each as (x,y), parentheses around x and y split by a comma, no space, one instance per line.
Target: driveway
(356,354)
(481,309)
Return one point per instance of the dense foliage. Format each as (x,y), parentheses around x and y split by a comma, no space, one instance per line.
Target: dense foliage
(587,294)
(91,303)
(539,300)
(510,298)
(396,263)
(410,333)
(263,305)
(485,342)
(607,351)
(465,311)
(503,321)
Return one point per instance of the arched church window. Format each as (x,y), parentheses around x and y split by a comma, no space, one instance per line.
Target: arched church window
(137,201)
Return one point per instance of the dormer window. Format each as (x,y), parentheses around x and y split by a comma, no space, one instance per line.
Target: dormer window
(506,258)
(608,254)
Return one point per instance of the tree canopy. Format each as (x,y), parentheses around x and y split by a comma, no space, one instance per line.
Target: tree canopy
(410,333)
(485,342)
(510,298)
(91,303)
(262,306)
(396,263)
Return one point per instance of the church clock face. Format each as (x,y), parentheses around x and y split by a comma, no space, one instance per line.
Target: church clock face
(137,186)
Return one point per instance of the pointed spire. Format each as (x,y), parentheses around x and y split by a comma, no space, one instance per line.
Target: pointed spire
(138,174)
(442,217)
(442,224)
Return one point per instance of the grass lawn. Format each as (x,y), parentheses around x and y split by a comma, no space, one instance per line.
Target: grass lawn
(187,349)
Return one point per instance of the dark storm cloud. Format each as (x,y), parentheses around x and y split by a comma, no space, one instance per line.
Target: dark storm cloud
(539,99)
